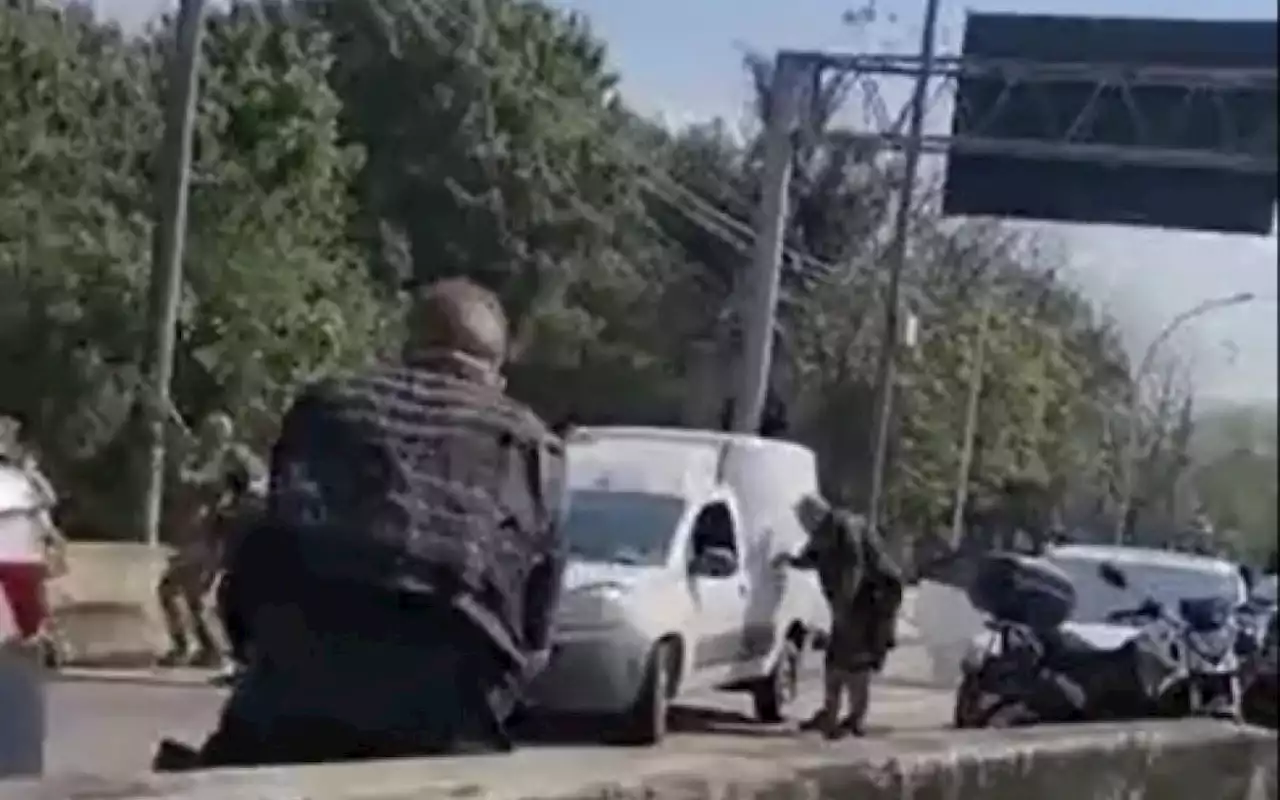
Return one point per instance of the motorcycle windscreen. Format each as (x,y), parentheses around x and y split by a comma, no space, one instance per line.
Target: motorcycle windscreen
(1204,614)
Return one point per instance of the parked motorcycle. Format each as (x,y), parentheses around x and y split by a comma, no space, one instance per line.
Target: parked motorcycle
(1031,668)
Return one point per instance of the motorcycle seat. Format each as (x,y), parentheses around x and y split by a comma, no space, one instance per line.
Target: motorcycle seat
(1068,651)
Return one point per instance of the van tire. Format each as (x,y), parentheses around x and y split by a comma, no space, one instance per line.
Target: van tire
(645,723)
(779,688)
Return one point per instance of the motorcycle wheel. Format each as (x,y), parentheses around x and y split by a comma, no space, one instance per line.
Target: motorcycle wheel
(1011,714)
(968,704)
(978,709)
(1259,703)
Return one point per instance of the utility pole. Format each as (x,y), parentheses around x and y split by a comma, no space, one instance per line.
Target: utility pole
(886,369)
(761,296)
(168,243)
(972,405)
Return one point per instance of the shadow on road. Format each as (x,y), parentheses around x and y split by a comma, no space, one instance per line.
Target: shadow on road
(904,682)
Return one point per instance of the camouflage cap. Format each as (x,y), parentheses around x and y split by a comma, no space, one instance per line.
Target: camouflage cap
(457,315)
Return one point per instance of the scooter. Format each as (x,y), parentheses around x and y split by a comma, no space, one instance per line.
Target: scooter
(1018,676)
(1171,666)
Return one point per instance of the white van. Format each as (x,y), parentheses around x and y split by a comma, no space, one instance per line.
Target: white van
(671,586)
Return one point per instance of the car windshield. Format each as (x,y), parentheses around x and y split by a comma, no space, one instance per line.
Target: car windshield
(621,527)
(1165,583)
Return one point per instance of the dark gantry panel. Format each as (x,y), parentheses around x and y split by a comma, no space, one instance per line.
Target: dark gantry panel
(1241,121)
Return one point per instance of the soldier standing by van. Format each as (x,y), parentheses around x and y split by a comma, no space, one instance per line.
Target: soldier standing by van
(864,589)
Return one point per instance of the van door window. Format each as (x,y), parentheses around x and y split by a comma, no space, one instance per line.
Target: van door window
(713,530)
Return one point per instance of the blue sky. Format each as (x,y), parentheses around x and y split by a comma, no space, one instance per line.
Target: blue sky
(680,58)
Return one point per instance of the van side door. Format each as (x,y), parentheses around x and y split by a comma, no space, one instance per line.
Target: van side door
(717,580)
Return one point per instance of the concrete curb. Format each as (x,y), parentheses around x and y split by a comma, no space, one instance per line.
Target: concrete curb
(1188,760)
(138,677)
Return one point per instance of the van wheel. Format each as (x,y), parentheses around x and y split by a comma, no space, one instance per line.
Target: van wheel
(779,689)
(646,722)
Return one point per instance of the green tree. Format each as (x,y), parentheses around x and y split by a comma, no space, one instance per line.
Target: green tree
(77,129)
(274,292)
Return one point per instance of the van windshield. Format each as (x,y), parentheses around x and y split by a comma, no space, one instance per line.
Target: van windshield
(621,527)
(1164,583)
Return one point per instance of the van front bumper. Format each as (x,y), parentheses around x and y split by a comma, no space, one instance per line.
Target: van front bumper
(597,671)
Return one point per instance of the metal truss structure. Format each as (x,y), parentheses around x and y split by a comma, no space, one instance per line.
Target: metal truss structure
(1243,146)
(1246,147)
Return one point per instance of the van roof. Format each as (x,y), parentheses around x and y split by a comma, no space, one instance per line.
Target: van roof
(1120,554)
(686,461)
(683,436)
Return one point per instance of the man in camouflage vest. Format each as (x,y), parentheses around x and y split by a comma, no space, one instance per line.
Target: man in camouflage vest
(399,591)
(864,588)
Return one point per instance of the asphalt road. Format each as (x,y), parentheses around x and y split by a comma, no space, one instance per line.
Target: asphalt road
(110,725)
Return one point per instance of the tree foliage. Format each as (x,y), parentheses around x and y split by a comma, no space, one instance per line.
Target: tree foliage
(347,150)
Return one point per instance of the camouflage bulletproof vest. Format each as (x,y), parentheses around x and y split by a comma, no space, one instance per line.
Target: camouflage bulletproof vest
(414,480)
(840,565)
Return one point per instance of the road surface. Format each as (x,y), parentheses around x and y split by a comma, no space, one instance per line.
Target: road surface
(110,724)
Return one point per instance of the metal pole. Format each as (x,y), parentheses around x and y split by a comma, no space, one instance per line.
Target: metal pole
(972,404)
(761,295)
(1129,456)
(886,369)
(168,242)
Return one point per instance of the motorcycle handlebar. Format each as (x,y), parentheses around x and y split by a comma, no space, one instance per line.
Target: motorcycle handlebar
(1150,609)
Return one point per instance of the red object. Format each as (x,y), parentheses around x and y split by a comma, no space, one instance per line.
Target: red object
(23,586)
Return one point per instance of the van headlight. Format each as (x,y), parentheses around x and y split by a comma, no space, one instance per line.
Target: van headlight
(593,606)
(601,592)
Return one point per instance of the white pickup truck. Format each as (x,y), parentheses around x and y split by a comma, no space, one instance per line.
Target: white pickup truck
(671,586)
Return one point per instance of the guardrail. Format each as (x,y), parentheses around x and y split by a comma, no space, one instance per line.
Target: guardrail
(105,606)
(1186,760)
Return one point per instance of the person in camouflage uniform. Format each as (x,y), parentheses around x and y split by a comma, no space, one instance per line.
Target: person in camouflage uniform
(193,566)
(864,589)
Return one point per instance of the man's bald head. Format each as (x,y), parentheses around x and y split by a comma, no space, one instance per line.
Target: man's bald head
(458,316)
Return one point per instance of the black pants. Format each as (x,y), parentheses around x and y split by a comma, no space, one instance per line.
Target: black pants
(366,676)
(316,741)
(233,622)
